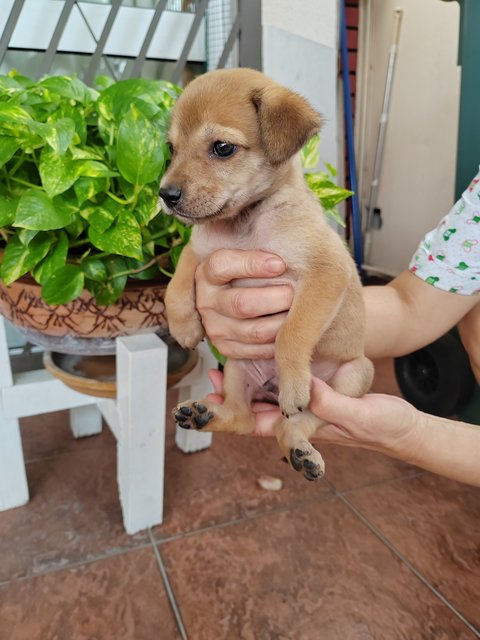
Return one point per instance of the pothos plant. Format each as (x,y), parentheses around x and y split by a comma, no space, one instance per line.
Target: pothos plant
(79,176)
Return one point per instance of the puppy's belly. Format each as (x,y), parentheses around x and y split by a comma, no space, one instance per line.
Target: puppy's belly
(262,377)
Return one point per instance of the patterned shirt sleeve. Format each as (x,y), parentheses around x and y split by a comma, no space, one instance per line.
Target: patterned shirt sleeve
(449,256)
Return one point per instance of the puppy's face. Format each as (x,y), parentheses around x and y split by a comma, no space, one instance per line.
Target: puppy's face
(231,133)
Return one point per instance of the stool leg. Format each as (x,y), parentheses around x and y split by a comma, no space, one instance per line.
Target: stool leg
(13,479)
(141,402)
(85,421)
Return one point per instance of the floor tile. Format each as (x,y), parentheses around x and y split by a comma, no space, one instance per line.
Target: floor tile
(74,514)
(219,484)
(120,598)
(314,572)
(435,523)
(349,468)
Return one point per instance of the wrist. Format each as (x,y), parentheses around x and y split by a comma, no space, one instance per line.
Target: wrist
(406,441)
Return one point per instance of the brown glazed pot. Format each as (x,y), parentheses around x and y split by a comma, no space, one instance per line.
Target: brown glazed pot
(82,326)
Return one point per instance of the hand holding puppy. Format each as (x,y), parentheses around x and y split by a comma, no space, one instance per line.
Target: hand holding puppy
(242,322)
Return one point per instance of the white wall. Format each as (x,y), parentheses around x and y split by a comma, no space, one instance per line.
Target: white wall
(300,51)
(418,171)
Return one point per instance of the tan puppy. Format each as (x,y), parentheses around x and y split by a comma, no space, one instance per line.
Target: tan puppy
(235,174)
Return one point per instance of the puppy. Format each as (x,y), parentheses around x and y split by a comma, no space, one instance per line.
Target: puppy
(236,175)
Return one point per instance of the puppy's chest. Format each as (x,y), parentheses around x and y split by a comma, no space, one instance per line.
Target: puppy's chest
(260,233)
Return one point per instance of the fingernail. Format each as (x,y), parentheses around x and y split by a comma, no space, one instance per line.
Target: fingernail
(275,265)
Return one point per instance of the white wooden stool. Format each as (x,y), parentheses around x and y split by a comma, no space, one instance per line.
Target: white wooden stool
(136,418)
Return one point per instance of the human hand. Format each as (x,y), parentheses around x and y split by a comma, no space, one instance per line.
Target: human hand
(376,421)
(242,322)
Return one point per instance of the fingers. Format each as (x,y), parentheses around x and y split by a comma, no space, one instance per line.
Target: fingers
(226,265)
(242,322)
(216,378)
(244,338)
(250,302)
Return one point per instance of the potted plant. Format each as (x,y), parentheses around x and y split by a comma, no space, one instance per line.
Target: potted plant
(79,215)
(80,227)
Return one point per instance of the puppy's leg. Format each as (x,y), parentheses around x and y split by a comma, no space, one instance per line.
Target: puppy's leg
(184,322)
(293,435)
(353,378)
(315,306)
(234,415)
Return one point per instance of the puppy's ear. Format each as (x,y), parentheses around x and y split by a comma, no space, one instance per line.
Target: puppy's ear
(286,122)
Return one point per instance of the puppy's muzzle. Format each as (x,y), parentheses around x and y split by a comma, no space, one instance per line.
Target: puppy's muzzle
(171,195)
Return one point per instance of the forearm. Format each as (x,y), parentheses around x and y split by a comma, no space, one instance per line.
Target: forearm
(443,446)
(408,314)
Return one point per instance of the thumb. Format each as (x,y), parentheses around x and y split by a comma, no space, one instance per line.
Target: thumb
(332,406)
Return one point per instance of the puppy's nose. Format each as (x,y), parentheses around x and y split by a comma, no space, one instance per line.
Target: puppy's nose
(171,195)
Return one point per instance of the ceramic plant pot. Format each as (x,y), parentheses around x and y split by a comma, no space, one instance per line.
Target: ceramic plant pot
(82,326)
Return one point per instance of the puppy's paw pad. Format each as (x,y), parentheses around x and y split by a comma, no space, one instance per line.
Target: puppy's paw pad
(308,461)
(192,415)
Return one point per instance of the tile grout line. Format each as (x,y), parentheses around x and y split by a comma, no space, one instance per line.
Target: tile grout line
(376,483)
(168,588)
(78,564)
(408,564)
(243,519)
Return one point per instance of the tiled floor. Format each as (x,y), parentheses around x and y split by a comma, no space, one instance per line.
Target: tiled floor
(378,550)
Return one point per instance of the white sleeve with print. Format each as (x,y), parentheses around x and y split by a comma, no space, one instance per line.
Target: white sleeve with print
(449,256)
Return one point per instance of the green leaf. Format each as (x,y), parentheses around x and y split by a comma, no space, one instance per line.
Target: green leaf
(310,153)
(26,235)
(54,260)
(98,217)
(124,237)
(333,172)
(76,113)
(69,87)
(64,285)
(94,169)
(8,147)
(86,188)
(59,134)
(37,211)
(147,204)
(140,155)
(57,172)
(110,291)
(19,259)
(220,357)
(94,269)
(8,207)
(116,99)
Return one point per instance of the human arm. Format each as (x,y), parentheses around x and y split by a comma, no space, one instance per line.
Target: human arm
(386,424)
(408,313)
(402,316)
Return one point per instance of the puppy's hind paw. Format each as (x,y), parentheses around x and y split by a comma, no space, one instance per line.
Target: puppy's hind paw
(307,459)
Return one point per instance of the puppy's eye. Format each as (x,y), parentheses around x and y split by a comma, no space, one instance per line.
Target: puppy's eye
(223,149)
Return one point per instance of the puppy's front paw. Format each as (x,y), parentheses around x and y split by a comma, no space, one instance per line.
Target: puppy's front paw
(188,332)
(192,415)
(294,395)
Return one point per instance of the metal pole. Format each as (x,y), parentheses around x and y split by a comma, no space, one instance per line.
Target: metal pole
(374,185)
